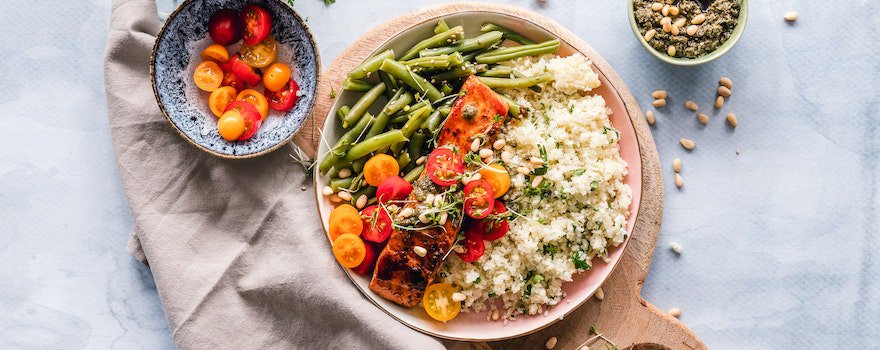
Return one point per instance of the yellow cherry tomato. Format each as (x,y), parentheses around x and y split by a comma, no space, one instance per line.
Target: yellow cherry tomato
(221,98)
(231,125)
(216,53)
(255,98)
(208,76)
(342,209)
(380,167)
(346,223)
(438,302)
(260,55)
(349,250)
(276,76)
(498,177)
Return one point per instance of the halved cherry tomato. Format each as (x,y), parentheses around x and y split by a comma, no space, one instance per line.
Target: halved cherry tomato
(443,166)
(393,188)
(225,27)
(284,99)
(251,116)
(260,55)
(366,266)
(276,76)
(377,224)
(230,79)
(479,199)
(208,76)
(216,53)
(346,223)
(231,125)
(244,71)
(255,98)
(342,209)
(497,175)
(220,99)
(495,226)
(349,250)
(257,24)
(473,244)
(380,167)
(438,302)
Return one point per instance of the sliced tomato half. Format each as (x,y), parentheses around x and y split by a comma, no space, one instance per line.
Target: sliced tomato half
(366,266)
(479,199)
(252,119)
(393,188)
(444,166)
(495,225)
(473,244)
(244,71)
(257,24)
(377,224)
(284,99)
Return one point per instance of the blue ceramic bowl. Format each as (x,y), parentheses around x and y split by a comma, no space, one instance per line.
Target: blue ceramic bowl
(176,54)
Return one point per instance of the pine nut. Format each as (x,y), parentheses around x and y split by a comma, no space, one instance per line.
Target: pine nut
(423,218)
(692,30)
(552,341)
(458,249)
(334,198)
(406,212)
(675,312)
(665,10)
(459,297)
(724,91)
(674,30)
(421,251)
(659,102)
(362,201)
(791,16)
(676,165)
(537,181)
(698,19)
(671,50)
(495,315)
(649,115)
(344,173)
(665,21)
(523,170)
(667,27)
(392,208)
(485,153)
(687,144)
(506,156)
(421,160)
(680,22)
(499,144)
(326,191)
(673,10)
(731,119)
(600,294)
(726,82)
(536,161)
(656,6)
(475,146)
(346,196)
(659,94)
(676,248)
(703,118)
(476,176)
(678,180)
(719,102)
(443,217)
(691,105)
(650,34)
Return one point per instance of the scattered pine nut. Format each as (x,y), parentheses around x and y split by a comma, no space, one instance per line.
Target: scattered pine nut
(361,202)
(600,294)
(731,119)
(443,217)
(334,198)
(719,102)
(665,21)
(703,118)
(423,218)
(726,82)
(650,34)
(495,315)
(421,251)
(679,181)
(675,312)
(675,31)
(659,94)
(667,27)
(459,297)
(671,49)
(421,160)
(475,146)
(659,102)
(506,156)
(676,248)
(551,343)
(791,16)
(537,181)
(737,151)
(665,10)
(656,6)
(485,153)
(691,105)
(344,196)
(687,143)
(680,22)
(676,165)
(326,191)
(406,212)
(499,144)
(698,19)
(523,170)
(344,173)
(536,161)
(674,10)
(692,30)
(724,91)
(649,115)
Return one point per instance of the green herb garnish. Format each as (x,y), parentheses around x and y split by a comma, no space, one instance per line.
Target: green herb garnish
(580,260)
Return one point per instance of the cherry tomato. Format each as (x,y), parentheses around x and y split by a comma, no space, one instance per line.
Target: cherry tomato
(244,71)
(255,98)
(231,125)
(257,24)
(251,117)
(225,27)
(208,76)
(346,223)
(284,99)
(349,250)
(230,79)
(473,244)
(342,209)
(276,76)
(366,266)
(438,302)
(443,166)
(216,53)
(497,175)
(377,224)
(380,167)
(259,55)
(393,188)
(479,199)
(495,226)
(220,99)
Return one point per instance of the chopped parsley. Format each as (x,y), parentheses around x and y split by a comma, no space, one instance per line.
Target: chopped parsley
(578,172)
(543,169)
(594,186)
(550,249)
(478,280)
(531,279)
(580,260)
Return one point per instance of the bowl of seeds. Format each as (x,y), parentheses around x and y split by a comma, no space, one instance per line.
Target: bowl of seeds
(688,32)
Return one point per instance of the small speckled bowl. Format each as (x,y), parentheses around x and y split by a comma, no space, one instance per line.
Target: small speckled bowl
(176,54)
(680,61)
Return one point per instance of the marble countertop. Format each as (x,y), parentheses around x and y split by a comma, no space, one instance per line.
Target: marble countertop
(780,241)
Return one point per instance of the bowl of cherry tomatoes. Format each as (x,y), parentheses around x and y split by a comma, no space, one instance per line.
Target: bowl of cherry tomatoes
(235,78)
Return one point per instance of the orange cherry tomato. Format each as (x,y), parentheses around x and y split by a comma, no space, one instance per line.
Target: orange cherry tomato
(251,117)
(260,55)
(438,302)
(342,209)
(208,76)
(346,223)
(276,76)
(349,250)
(231,125)
(216,53)
(498,177)
(255,98)
(220,99)
(380,167)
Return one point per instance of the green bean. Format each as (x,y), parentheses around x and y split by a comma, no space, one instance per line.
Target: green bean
(403,159)
(509,53)
(445,110)
(414,123)
(399,119)
(370,65)
(481,41)
(414,174)
(498,72)
(335,184)
(341,112)
(440,39)
(397,103)
(378,126)
(416,142)
(513,109)
(356,182)
(433,121)
(445,88)
(342,145)
(368,191)
(508,34)
(374,143)
(460,72)
(415,81)
(516,82)
(358,165)
(441,27)
(436,62)
(407,113)
(356,85)
(362,105)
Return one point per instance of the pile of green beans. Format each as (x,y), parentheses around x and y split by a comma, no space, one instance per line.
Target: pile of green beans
(406,98)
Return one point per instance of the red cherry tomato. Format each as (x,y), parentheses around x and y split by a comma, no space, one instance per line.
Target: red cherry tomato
(225,27)
(473,245)
(230,79)
(257,24)
(443,166)
(284,99)
(393,188)
(244,71)
(479,199)
(252,119)
(366,266)
(495,226)
(377,224)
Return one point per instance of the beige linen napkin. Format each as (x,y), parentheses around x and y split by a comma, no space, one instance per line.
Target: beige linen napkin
(235,246)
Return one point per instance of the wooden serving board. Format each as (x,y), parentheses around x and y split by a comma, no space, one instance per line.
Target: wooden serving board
(623,316)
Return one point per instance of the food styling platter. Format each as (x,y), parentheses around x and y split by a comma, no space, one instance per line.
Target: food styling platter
(628,250)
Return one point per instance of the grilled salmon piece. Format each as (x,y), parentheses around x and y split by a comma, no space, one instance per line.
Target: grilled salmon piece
(401,275)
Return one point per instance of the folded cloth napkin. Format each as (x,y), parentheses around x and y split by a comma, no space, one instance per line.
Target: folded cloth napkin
(235,246)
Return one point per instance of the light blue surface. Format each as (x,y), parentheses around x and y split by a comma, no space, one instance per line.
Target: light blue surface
(779,242)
